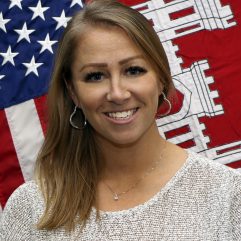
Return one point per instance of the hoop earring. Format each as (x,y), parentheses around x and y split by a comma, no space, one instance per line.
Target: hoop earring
(169,106)
(73,124)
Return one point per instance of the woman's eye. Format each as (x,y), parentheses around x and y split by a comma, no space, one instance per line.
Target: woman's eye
(94,76)
(135,70)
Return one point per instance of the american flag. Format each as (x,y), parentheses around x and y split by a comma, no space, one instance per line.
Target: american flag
(202,42)
(29,32)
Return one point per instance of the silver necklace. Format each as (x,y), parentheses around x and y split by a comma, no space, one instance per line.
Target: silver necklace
(116,196)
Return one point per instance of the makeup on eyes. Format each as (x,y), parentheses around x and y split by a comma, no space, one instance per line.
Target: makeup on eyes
(134,67)
(135,70)
(94,76)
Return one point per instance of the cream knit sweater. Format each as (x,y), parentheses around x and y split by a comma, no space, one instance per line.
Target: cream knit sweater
(202,202)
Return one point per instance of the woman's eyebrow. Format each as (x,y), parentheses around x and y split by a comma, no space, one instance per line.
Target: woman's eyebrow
(121,62)
(101,65)
(124,61)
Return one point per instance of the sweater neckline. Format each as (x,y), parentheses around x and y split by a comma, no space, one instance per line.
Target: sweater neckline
(182,170)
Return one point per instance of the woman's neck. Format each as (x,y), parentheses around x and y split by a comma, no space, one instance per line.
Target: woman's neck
(132,159)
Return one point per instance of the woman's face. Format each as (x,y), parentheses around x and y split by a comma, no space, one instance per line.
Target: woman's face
(114,85)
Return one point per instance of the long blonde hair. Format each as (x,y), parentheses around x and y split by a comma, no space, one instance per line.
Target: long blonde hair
(67,166)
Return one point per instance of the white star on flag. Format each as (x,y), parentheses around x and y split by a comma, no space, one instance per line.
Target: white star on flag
(38,11)
(47,44)
(24,33)
(76,2)
(3,22)
(15,3)
(8,56)
(32,67)
(62,20)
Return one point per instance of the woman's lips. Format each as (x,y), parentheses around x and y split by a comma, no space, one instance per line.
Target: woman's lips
(121,116)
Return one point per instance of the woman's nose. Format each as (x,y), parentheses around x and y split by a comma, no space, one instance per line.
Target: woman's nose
(118,91)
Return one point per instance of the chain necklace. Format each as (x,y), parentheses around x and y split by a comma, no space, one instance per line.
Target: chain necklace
(116,195)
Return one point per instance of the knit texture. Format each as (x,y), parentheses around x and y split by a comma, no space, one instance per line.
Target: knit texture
(202,202)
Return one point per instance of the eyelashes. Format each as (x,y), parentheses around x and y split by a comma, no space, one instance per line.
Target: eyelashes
(135,70)
(94,76)
(132,71)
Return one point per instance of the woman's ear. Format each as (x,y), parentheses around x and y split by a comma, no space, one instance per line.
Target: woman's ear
(71,92)
(160,87)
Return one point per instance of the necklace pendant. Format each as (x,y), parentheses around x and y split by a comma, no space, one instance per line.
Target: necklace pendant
(115,197)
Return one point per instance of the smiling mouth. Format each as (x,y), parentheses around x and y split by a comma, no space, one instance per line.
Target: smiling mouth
(121,115)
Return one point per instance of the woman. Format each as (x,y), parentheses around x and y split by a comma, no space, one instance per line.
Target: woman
(104,172)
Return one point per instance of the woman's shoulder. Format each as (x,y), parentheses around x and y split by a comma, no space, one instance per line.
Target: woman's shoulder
(208,168)
(24,201)
(206,162)
(22,209)
(24,193)
(24,197)
(27,187)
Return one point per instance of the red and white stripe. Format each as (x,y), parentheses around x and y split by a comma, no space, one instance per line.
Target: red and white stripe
(22,129)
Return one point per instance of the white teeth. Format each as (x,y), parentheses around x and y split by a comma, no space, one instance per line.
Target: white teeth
(122,114)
